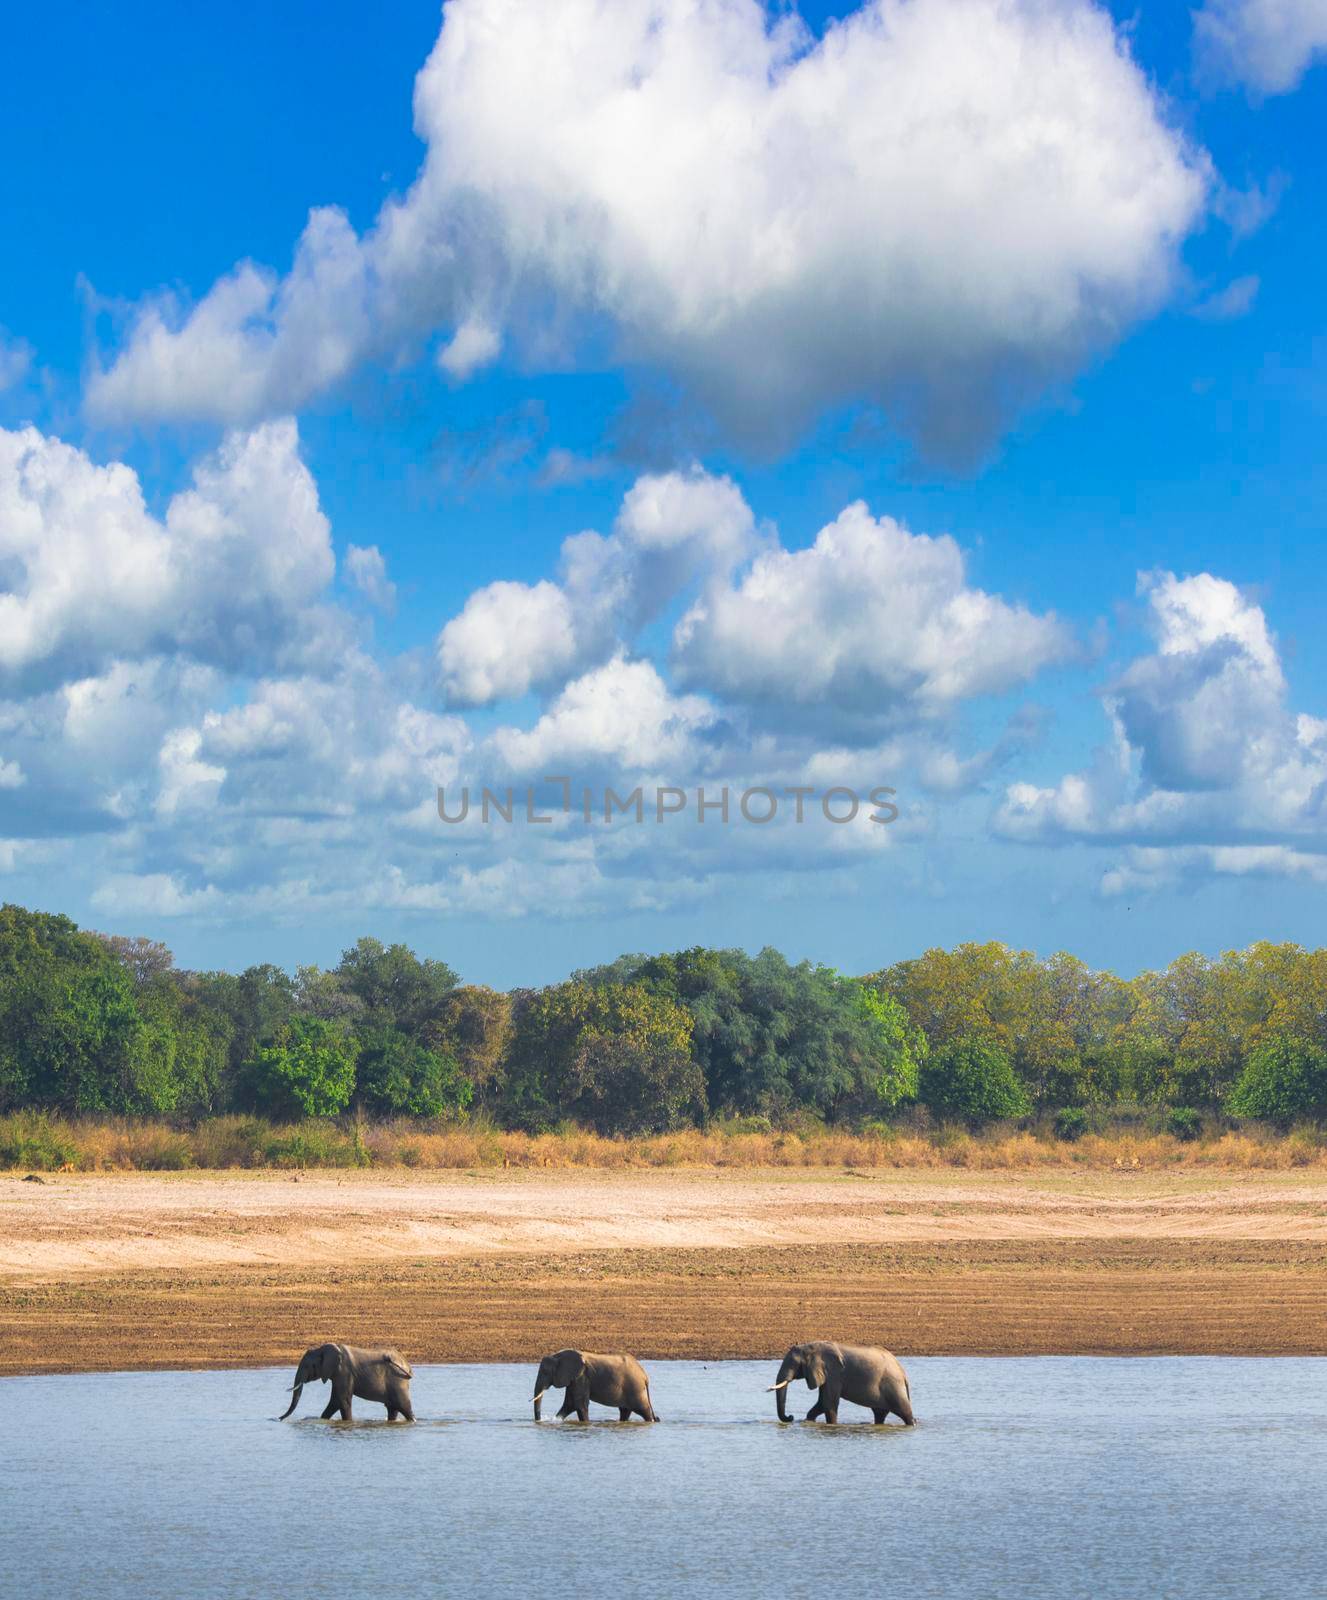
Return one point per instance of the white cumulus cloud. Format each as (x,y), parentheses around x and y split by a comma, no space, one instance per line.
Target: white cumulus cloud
(939,207)
(88,575)
(621,712)
(872,622)
(673,528)
(1208,767)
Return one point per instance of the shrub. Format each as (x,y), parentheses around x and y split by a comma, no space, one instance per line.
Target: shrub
(231,1141)
(36,1142)
(1283,1081)
(1070,1123)
(1184,1123)
(315,1144)
(971,1081)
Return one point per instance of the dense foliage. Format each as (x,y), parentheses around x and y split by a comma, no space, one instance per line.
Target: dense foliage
(972,1081)
(649,1044)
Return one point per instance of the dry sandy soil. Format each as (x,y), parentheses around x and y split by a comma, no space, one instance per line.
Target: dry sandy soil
(172,1270)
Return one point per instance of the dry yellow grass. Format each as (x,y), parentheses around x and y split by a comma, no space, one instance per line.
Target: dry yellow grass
(109,1145)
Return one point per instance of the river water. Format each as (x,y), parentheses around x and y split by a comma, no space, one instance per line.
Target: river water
(1065,1477)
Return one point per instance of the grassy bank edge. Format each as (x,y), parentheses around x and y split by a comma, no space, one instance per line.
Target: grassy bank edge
(38,1143)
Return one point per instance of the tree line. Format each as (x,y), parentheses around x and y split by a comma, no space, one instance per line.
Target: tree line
(94,1023)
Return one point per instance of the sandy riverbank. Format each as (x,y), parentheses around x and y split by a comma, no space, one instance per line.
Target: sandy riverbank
(111,1271)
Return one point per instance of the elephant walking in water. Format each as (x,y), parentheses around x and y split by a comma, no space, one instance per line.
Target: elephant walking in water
(378,1375)
(862,1374)
(607,1380)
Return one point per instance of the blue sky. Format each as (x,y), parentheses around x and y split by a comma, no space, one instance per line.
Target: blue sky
(701,282)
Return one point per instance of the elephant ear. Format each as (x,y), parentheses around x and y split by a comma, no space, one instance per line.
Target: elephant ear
(570,1366)
(813,1366)
(329,1362)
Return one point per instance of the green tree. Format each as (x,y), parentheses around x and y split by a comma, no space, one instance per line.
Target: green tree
(180,1053)
(614,1056)
(1186,1041)
(897,1047)
(772,1037)
(308,1069)
(1284,1080)
(398,1076)
(1060,1023)
(70,1030)
(394,985)
(972,1081)
(474,1027)
(324,994)
(250,1008)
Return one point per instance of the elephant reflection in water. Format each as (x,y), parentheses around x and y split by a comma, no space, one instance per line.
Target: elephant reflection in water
(378,1375)
(864,1375)
(607,1380)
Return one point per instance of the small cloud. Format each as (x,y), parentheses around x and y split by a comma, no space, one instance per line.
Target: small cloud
(564,467)
(153,894)
(1266,45)
(11,775)
(474,344)
(1235,300)
(493,450)
(367,570)
(15,360)
(1245,210)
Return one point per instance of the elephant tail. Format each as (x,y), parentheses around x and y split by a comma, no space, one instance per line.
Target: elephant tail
(401,1368)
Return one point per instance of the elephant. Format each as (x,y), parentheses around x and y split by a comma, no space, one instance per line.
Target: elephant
(618,1381)
(379,1375)
(863,1374)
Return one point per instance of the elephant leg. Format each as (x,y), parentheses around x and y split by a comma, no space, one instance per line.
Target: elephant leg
(879,1413)
(818,1409)
(404,1407)
(392,1413)
(829,1404)
(624,1413)
(333,1406)
(578,1398)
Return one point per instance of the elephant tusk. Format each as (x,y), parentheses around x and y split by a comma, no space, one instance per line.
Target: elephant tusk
(775,1386)
(540,1395)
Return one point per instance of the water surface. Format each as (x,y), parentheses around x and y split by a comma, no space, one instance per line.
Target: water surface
(1064,1477)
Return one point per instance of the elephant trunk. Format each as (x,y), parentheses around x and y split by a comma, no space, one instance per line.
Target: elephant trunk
(780,1387)
(294,1401)
(538,1399)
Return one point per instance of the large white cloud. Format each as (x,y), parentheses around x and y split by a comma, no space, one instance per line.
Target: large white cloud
(1267,44)
(872,623)
(88,576)
(939,206)
(1208,767)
